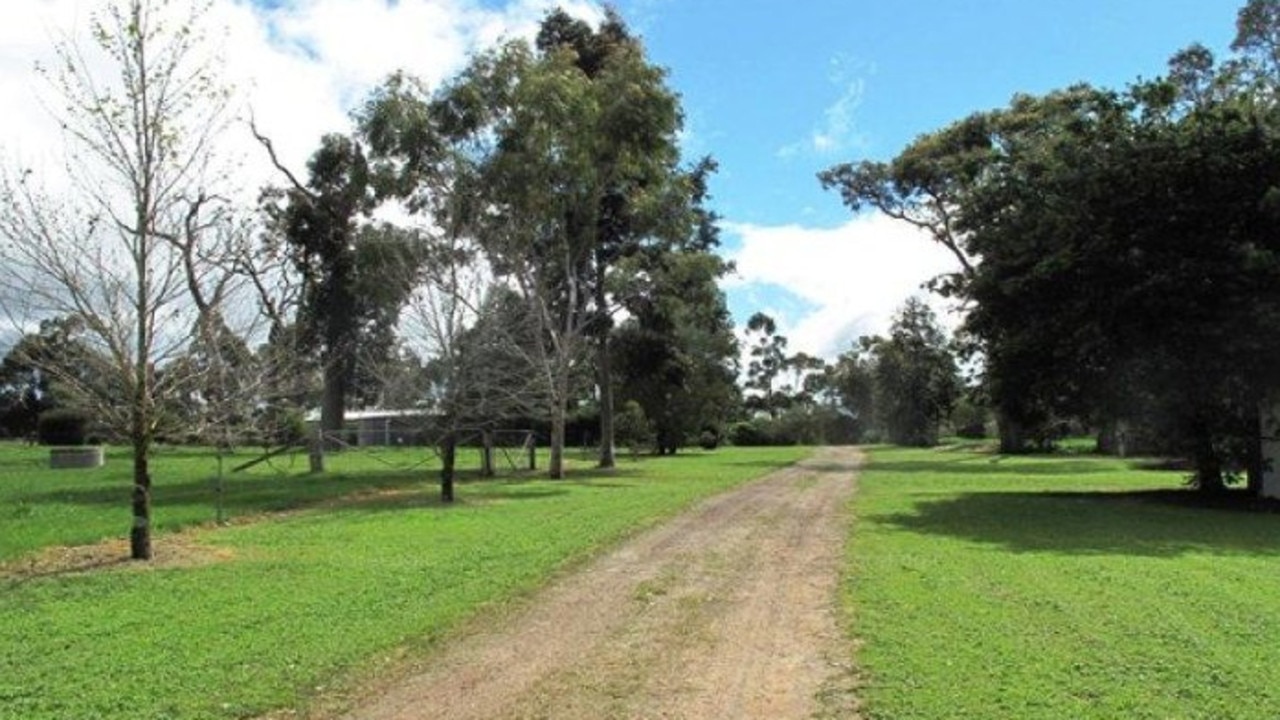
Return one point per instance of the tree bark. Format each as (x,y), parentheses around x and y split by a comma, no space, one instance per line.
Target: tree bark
(555,465)
(448,454)
(1209,479)
(608,456)
(486,454)
(140,534)
(1012,441)
(333,403)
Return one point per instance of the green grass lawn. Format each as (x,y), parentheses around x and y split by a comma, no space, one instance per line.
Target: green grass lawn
(41,507)
(299,603)
(1055,587)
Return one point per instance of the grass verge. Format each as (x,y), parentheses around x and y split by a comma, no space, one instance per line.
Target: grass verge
(1054,587)
(298,602)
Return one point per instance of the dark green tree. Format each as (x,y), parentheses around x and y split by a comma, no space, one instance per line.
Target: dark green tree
(30,374)
(1123,267)
(677,354)
(847,386)
(356,274)
(915,378)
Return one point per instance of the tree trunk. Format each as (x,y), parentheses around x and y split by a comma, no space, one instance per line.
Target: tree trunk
(140,534)
(486,454)
(1209,478)
(556,463)
(604,365)
(333,403)
(315,451)
(1012,441)
(1256,462)
(448,453)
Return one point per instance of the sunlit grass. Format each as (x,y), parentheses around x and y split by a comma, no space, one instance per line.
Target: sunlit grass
(1057,587)
(296,604)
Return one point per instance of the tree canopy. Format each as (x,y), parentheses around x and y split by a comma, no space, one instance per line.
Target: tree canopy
(1118,261)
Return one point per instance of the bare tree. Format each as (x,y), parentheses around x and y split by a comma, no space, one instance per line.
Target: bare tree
(133,240)
(473,330)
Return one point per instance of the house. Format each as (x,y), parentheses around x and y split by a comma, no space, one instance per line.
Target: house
(382,427)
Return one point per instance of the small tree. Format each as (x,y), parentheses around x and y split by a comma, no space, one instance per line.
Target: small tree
(477,341)
(132,229)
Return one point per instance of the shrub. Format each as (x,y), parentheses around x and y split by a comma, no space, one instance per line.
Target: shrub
(64,426)
(282,426)
(708,440)
(631,428)
(761,432)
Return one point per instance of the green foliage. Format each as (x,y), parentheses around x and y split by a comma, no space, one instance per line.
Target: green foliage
(763,432)
(768,350)
(914,376)
(750,433)
(632,428)
(1117,248)
(356,274)
(969,419)
(1056,586)
(272,614)
(708,440)
(63,426)
(677,355)
(282,425)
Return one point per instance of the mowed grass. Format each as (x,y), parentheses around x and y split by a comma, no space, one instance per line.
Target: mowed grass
(299,606)
(40,507)
(1057,587)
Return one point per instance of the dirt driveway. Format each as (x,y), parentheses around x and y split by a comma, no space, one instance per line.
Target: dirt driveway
(728,611)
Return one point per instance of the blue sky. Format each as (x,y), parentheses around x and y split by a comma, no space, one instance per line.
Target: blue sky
(761,78)
(775,90)
(778,91)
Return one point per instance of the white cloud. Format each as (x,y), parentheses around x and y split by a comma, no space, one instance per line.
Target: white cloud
(837,131)
(828,286)
(300,66)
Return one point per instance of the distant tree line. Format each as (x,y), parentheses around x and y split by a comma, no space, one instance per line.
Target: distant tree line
(904,388)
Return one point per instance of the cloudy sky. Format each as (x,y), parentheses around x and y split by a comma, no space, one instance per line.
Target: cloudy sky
(776,90)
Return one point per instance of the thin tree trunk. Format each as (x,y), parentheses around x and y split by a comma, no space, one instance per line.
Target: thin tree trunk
(604,366)
(448,454)
(555,465)
(140,420)
(1209,478)
(140,534)
(486,454)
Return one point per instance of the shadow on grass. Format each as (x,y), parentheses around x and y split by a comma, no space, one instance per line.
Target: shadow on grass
(993,465)
(1155,523)
(389,489)
(826,467)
